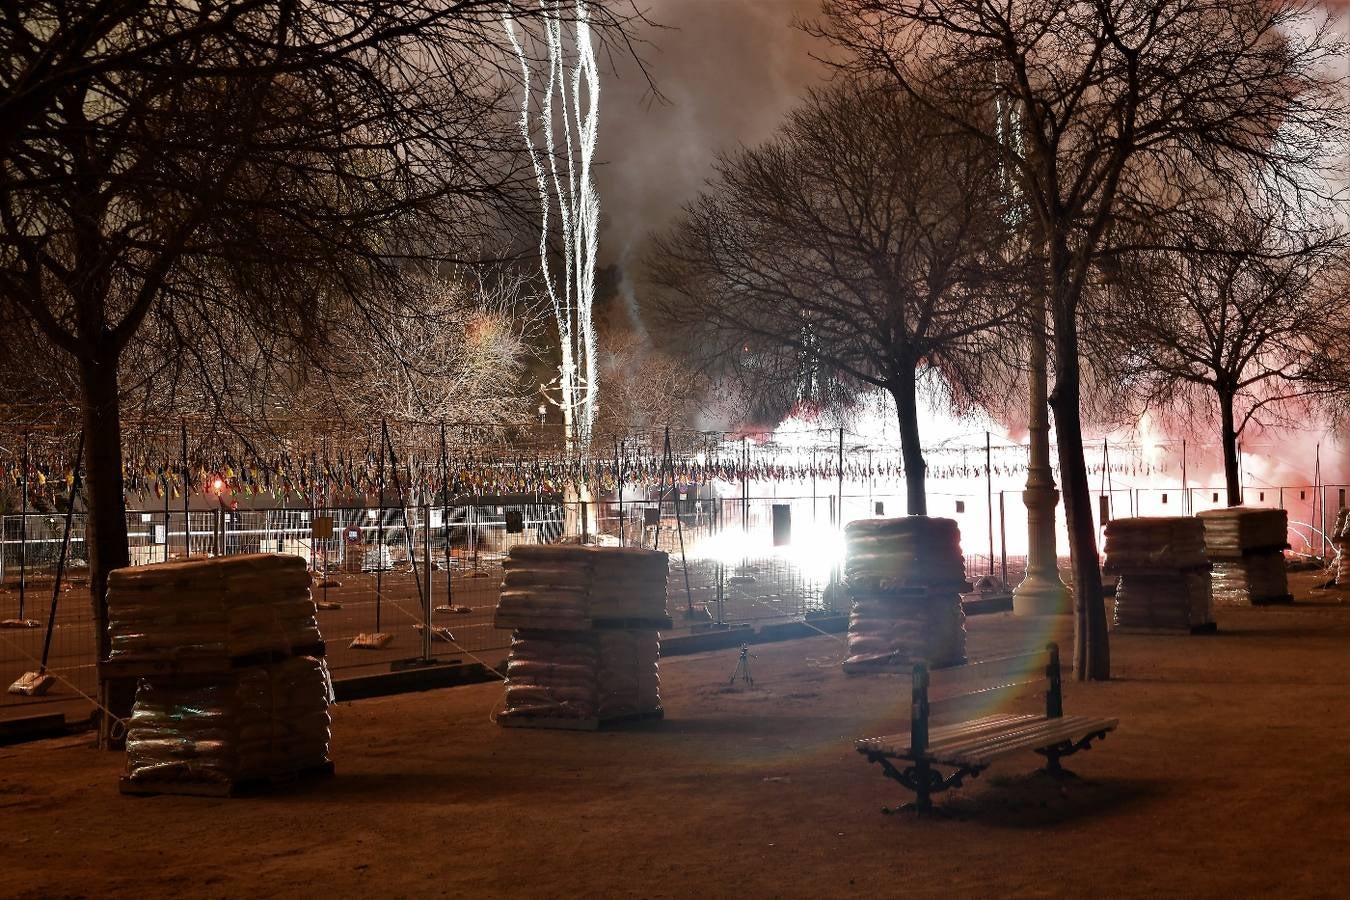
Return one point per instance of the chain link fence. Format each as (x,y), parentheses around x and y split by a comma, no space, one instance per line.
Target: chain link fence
(750,558)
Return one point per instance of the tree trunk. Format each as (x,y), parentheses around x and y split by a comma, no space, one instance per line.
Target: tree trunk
(905,391)
(107,534)
(1091,650)
(1231,476)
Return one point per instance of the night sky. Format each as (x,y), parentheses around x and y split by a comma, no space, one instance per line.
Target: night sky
(729,70)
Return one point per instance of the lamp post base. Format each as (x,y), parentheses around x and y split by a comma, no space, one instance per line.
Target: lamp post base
(1042,594)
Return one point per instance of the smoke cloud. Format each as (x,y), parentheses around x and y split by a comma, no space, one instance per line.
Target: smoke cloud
(729,71)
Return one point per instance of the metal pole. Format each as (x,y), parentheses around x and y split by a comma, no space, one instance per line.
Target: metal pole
(679,528)
(167,517)
(379,528)
(322,483)
(1003,537)
(1041,591)
(839,522)
(871,509)
(745,487)
(23,528)
(989,493)
(187,520)
(61,559)
(1242,494)
(445,519)
(1317,496)
(426,596)
(618,480)
(1185,490)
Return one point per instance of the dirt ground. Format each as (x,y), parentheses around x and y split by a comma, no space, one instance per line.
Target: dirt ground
(1226,777)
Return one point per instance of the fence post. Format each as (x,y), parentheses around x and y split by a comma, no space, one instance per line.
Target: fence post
(989,493)
(839,523)
(426,595)
(187,520)
(23,529)
(1003,537)
(745,487)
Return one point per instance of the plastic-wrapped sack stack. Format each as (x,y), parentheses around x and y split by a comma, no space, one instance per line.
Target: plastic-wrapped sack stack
(211,609)
(1247,548)
(1164,575)
(586,639)
(1341,538)
(233,687)
(905,578)
(251,723)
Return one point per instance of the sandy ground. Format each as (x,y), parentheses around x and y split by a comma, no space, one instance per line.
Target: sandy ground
(778,594)
(1226,777)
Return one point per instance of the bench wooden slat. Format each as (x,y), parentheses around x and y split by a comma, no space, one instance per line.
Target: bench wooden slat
(985,735)
(980,730)
(1034,725)
(981,740)
(943,732)
(1048,732)
(898,744)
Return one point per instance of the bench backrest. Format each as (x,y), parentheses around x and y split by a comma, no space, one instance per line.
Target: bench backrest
(980,685)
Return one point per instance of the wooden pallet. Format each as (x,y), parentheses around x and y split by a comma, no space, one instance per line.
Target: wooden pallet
(644,623)
(202,665)
(1226,555)
(565,724)
(235,788)
(1203,628)
(1277,600)
(981,604)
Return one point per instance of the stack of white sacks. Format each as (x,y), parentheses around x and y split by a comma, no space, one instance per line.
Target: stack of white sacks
(253,722)
(905,577)
(215,608)
(232,681)
(1164,575)
(586,639)
(1247,548)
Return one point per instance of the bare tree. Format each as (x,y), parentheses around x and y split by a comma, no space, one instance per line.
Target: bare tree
(646,386)
(278,166)
(1235,316)
(1113,107)
(460,357)
(861,244)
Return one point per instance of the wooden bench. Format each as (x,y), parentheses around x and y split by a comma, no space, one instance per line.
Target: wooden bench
(967,748)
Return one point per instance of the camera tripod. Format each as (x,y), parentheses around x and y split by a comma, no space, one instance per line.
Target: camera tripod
(743,667)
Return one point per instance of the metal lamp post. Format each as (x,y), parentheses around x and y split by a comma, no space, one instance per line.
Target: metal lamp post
(1041,593)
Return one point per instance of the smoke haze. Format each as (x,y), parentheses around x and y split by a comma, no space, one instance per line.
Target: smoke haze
(729,71)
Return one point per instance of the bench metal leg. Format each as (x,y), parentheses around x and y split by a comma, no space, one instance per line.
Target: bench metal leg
(924,780)
(1055,752)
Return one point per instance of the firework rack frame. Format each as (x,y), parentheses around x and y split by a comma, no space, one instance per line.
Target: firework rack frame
(918,759)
